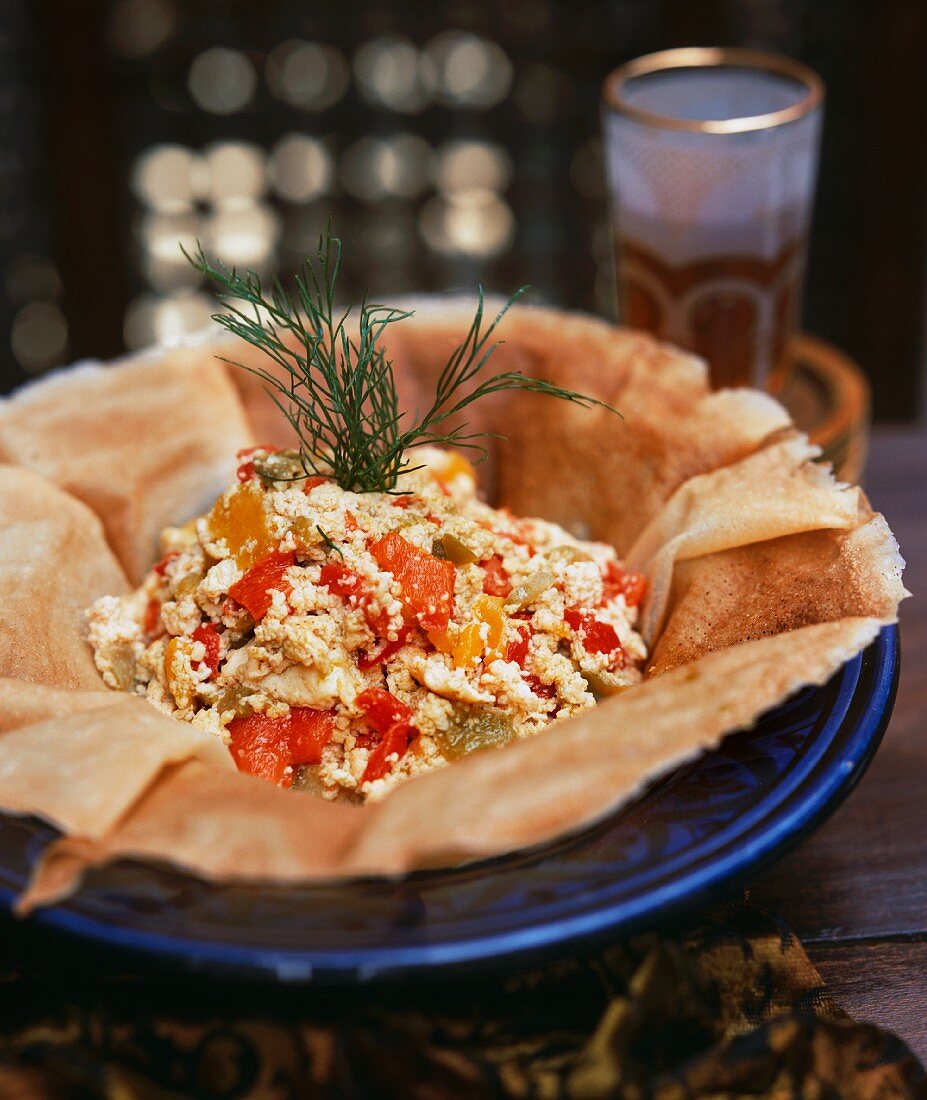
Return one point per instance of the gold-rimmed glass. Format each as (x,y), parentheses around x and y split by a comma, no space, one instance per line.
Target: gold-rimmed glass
(711,157)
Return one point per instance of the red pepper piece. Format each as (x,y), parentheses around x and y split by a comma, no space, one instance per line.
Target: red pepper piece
(426,582)
(312,482)
(260,746)
(518,650)
(347,584)
(387,651)
(209,636)
(269,574)
(267,747)
(635,588)
(161,567)
(403,501)
(544,691)
(152,621)
(310,732)
(496,582)
(619,582)
(342,581)
(596,636)
(392,719)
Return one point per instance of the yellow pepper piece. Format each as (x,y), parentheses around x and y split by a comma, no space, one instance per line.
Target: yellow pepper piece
(467,644)
(453,466)
(491,610)
(239,518)
(442,640)
(464,644)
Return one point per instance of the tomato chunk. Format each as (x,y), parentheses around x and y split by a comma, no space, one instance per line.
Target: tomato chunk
(596,636)
(496,582)
(426,582)
(269,574)
(209,636)
(517,650)
(268,747)
(392,719)
(620,582)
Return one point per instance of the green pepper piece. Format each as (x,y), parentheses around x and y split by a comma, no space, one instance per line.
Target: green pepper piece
(473,728)
(602,684)
(279,466)
(455,550)
(524,594)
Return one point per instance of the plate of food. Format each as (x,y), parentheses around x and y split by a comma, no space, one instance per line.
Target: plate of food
(294,687)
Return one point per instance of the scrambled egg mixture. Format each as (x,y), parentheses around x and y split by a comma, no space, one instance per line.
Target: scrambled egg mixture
(342,642)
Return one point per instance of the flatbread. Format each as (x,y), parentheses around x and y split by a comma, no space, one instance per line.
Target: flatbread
(779,585)
(766,575)
(775,492)
(105,775)
(54,562)
(144,443)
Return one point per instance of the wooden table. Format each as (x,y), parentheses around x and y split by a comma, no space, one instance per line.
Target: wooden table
(856,892)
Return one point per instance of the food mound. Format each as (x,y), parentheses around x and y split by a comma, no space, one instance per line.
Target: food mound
(342,642)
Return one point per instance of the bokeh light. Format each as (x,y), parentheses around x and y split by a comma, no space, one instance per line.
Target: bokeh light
(164,176)
(222,81)
(233,172)
(466,70)
(308,75)
(301,168)
(387,73)
(39,336)
(137,28)
(244,236)
(464,165)
(475,223)
(155,319)
(161,236)
(373,169)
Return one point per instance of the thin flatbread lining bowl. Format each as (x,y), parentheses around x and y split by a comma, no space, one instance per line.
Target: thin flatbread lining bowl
(804,585)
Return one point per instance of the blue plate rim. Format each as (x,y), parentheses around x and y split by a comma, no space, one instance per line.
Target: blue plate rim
(518,945)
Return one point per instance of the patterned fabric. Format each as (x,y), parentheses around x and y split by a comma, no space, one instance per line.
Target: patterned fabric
(733,1008)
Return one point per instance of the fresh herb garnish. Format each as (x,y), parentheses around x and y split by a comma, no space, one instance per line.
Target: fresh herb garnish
(326,538)
(338,389)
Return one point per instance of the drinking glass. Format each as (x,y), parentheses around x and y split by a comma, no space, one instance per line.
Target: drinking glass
(711,156)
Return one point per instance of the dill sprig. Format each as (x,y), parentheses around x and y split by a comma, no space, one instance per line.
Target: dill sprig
(337,387)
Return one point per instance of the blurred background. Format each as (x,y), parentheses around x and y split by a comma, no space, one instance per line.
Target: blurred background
(451,143)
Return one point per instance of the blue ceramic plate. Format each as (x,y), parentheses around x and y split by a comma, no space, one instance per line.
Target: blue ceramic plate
(689,838)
